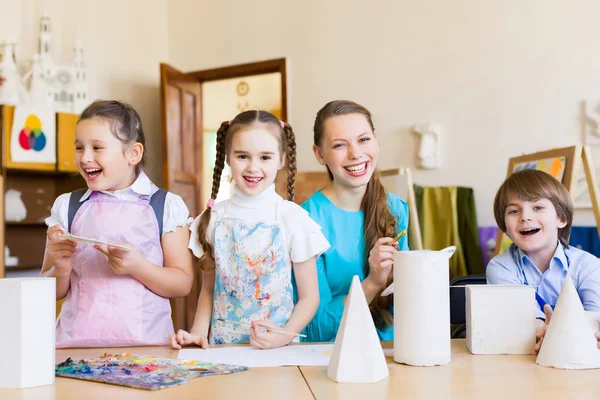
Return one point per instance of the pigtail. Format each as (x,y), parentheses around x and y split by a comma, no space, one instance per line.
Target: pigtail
(207,261)
(379,222)
(291,159)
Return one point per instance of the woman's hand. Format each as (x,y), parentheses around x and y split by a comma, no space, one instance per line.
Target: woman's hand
(380,262)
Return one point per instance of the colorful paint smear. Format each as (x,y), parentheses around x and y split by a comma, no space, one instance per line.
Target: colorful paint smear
(141,372)
(553,166)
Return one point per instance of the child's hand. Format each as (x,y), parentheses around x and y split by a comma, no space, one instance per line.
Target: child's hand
(381,261)
(60,250)
(122,261)
(261,339)
(541,332)
(176,341)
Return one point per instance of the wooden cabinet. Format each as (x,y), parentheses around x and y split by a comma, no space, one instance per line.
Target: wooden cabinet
(39,185)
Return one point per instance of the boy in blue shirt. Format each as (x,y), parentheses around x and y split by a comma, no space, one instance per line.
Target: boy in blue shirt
(536,212)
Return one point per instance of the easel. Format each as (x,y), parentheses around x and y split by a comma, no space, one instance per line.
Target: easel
(404,178)
(573,155)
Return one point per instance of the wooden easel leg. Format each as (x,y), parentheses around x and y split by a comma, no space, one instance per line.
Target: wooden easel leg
(414,226)
(592,183)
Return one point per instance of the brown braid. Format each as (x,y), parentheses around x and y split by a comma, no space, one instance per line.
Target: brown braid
(291,159)
(207,261)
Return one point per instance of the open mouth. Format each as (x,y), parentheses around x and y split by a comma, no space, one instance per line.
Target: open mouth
(357,169)
(253,181)
(91,174)
(529,232)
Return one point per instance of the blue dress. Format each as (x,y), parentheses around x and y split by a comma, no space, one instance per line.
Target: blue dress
(345,258)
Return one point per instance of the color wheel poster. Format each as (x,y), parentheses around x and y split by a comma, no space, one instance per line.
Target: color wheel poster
(33,136)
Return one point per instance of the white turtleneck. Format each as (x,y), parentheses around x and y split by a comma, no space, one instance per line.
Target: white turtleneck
(303,236)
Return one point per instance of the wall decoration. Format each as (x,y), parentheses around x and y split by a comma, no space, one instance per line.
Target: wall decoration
(33,137)
(429,149)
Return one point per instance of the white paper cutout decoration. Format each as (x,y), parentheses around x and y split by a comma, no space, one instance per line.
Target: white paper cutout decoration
(570,341)
(357,356)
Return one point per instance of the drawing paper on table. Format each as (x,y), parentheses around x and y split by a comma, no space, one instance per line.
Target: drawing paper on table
(306,355)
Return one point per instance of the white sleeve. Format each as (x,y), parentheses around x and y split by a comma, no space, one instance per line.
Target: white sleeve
(306,238)
(194,244)
(59,214)
(176,213)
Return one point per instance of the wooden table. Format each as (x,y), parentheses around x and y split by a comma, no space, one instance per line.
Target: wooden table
(466,377)
(283,382)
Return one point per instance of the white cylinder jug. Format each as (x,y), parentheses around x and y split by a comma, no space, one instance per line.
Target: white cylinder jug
(422,307)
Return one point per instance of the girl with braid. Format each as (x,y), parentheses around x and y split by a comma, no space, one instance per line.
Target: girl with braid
(358,216)
(249,245)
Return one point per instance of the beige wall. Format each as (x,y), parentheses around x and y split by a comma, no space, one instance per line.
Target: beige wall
(124,41)
(502,77)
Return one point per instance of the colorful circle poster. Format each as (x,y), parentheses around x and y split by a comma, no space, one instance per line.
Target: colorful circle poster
(33,135)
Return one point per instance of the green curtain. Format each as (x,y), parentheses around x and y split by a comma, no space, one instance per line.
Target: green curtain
(447,216)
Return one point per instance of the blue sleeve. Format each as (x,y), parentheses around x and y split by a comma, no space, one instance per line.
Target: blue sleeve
(589,287)
(324,325)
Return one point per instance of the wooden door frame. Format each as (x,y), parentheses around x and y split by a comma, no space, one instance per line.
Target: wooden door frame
(240,70)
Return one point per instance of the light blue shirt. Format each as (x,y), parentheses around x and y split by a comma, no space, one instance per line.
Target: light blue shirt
(515,268)
(347,257)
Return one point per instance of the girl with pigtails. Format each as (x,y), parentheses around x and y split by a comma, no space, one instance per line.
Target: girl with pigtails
(249,245)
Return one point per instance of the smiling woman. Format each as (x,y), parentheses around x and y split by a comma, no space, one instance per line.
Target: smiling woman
(359,218)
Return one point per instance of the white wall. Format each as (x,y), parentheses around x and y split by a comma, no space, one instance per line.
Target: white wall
(502,77)
(124,41)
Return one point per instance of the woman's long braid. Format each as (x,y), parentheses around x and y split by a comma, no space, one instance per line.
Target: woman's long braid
(291,159)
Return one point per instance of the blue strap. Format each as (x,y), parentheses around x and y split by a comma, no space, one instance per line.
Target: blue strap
(74,205)
(157,202)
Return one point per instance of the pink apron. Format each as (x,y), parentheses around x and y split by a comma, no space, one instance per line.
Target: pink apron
(103,309)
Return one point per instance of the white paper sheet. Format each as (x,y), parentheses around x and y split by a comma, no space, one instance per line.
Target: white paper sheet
(305,355)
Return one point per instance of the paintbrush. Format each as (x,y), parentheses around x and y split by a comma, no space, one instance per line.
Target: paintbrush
(398,236)
(269,329)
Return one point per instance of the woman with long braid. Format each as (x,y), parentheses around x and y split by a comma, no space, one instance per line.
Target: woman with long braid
(249,245)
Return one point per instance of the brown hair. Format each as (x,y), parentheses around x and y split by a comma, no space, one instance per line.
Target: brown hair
(379,221)
(532,185)
(287,146)
(125,123)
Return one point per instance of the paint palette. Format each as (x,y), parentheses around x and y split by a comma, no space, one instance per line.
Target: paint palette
(141,372)
(81,239)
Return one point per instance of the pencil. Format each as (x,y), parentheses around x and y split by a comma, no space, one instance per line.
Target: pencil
(269,329)
(398,236)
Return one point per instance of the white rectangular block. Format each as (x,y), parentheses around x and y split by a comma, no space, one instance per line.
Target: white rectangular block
(27,332)
(500,319)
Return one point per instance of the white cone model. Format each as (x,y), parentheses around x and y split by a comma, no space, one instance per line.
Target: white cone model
(357,356)
(570,341)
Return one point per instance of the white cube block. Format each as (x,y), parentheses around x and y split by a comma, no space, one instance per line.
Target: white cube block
(500,319)
(27,332)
